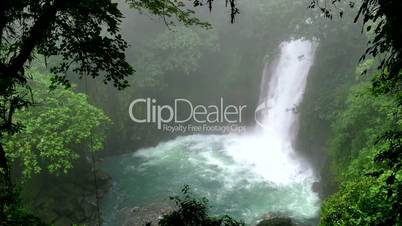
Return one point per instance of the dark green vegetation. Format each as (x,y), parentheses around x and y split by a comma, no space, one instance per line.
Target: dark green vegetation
(192,211)
(76,37)
(365,143)
(52,28)
(51,131)
(42,132)
(368,190)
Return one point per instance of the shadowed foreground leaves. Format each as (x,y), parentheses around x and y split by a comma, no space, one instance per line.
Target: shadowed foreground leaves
(193,211)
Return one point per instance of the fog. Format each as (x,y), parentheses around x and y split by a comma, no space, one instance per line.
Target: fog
(237,111)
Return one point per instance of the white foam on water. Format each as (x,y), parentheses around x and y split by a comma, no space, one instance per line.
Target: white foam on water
(267,152)
(262,166)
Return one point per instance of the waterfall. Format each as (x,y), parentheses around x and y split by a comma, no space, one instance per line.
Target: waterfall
(270,150)
(285,89)
(245,175)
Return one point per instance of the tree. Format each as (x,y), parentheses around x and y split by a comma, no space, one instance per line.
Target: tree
(383,19)
(69,29)
(84,35)
(358,126)
(178,49)
(56,129)
(366,156)
(177,9)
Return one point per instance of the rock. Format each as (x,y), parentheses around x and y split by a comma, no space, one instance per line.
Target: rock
(316,187)
(276,221)
(50,215)
(273,219)
(63,221)
(135,209)
(150,213)
(89,207)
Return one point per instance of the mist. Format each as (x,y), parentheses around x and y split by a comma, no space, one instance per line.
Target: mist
(185,114)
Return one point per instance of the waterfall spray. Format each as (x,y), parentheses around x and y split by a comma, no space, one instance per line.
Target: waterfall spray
(246,175)
(270,150)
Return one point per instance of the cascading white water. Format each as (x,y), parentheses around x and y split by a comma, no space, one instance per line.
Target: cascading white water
(270,149)
(286,88)
(245,175)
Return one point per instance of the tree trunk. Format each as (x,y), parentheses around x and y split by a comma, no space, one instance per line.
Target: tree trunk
(5,169)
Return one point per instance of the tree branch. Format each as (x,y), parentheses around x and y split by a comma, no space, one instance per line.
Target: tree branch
(3,20)
(36,34)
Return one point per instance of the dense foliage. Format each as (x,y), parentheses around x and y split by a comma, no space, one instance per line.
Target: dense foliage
(178,49)
(60,128)
(56,130)
(192,211)
(365,148)
(14,213)
(76,36)
(358,126)
(83,37)
(365,157)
